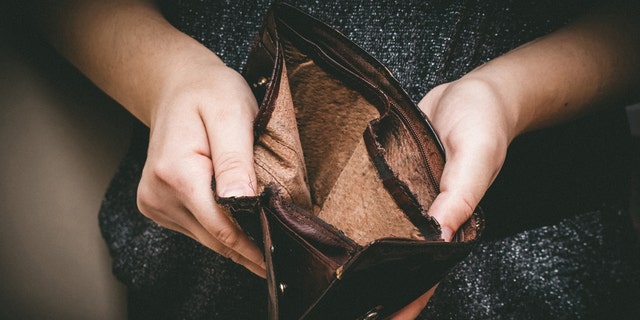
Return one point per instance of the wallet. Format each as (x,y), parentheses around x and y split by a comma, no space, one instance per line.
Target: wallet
(347,167)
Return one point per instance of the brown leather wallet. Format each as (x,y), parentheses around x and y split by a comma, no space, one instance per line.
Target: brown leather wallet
(347,166)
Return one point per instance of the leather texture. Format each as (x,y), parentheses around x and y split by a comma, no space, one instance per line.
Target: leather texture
(347,166)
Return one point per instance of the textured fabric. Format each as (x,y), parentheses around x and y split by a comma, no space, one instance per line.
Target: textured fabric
(539,260)
(584,267)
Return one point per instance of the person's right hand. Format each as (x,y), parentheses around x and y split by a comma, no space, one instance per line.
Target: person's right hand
(202,127)
(200,113)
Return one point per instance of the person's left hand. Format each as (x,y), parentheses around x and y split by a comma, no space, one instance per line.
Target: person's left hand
(475,125)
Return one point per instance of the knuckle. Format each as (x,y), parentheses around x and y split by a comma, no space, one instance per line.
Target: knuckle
(228,236)
(157,189)
(167,177)
(466,205)
(234,256)
(145,200)
(238,107)
(230,164)
(232,113)
(469,207)
(165,172)
(227,252)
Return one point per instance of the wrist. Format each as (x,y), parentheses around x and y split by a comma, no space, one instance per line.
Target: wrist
(484,92)
(205,87)
(513,100)
(190,73)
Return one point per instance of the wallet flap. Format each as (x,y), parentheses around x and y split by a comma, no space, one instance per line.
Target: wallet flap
(384,277)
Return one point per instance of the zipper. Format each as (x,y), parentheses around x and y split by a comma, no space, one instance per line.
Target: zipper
(402,115)
(423,153)
(394,109)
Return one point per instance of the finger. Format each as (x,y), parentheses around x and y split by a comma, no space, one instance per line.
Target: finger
(171,225)
(200,235)
(182,196)
(183,222)
(244,252)
(151,204)
(466,177)
(204,237)
(230,132)
(230,240)
(412,310)
(258,269)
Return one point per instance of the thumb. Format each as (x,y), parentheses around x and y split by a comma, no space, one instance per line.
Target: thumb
(231,143)
(465,179)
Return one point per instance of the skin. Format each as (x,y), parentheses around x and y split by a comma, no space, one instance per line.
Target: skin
(192,103)
(200,112)
(591,63)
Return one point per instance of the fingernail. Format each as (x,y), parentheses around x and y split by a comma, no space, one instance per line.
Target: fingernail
(237,189)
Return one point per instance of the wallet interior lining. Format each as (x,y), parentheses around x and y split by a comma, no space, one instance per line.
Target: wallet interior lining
(313,149)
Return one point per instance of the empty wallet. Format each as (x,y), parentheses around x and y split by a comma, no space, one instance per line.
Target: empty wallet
(347,167)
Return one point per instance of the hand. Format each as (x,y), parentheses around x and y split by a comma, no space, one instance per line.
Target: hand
(200,113)
(475,125)
(472,120)
(202,127)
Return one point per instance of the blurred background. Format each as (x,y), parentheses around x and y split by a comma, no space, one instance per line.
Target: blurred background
(60,142)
